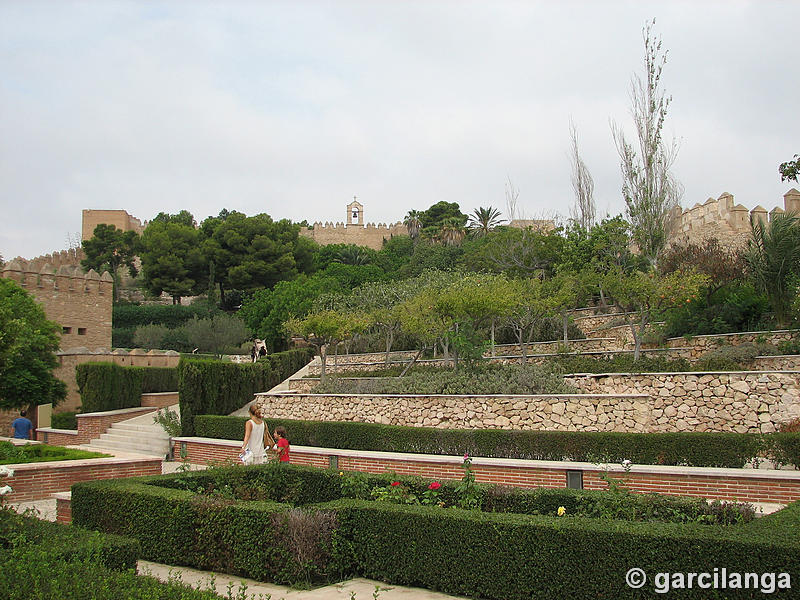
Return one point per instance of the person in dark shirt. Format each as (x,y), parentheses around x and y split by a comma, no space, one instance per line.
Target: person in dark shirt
(22,427)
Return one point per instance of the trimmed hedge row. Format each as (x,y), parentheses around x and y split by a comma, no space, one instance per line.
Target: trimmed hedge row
(516,557)
(68,543)
(207,532)
(219,388)
(131,316)
(501,556)
(107,386)
(51,561)
(732,450)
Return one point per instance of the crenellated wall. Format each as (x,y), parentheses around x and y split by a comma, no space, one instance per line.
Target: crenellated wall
(369,235)
(80,303)
(723,218)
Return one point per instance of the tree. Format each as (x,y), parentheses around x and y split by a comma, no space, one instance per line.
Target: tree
(722,264)
(452,231)
(266,311)
(483,220)
(790,169)
(773,257)
(648,186)
(254,252)
(647,294)
(218,334)
(325,328)
(355,255)
(531,306)
(27,345)
(110,249)
(583,212)
(413,223)
(172,257)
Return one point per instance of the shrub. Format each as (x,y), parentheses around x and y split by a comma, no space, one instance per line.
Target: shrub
(64,420)
(503,556)
(107,386)
(212,387)
(480,379)
(68,543)
(728,358)
(621,363)
(122,337)
(730,309)
(705,449)
(51,561)
(511,556)
(131,316)
(11,454)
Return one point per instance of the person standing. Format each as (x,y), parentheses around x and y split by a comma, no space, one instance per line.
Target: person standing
(22,427)
(283,444)
(254,438)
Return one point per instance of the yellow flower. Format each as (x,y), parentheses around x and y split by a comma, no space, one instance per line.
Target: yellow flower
(561,511)
(341,473)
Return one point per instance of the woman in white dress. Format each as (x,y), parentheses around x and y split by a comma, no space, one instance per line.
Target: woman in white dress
(253,444)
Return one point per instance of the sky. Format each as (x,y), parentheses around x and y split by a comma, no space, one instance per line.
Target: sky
(292,108)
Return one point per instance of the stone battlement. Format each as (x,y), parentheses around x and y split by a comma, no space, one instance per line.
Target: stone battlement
(371,235)
(70,258)
(79,302)
(724,219)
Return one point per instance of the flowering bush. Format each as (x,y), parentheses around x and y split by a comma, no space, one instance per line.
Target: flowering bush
(430,497)
(395,492)
(6,489)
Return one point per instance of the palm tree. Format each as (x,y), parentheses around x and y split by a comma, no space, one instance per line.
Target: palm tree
(483,220)
(352,255)
(773,255)
(413,223)
(452,232)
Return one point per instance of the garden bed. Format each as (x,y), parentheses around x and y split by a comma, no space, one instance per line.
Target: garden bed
(521,551)
(33,453)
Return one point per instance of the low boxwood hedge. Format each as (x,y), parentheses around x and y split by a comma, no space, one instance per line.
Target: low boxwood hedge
(510,556)
(31,453)
(67,543)
(707,449)
(503,556)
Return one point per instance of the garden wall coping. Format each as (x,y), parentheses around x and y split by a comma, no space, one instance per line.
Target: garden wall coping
(697,373)
(789,475)
(119,411)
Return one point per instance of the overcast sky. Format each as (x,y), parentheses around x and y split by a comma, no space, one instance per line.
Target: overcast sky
(292,108)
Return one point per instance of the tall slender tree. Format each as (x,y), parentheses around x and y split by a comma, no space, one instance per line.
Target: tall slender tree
(413,223)
(648,185)
(583,211)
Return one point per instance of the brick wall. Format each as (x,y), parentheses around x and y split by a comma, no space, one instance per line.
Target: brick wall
(90,426)
(160,399)
(743,485)
(35,481)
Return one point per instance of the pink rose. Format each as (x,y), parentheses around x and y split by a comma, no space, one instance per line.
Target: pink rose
(395,483)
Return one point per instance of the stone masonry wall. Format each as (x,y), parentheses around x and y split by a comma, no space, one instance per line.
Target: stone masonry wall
(744,402)
(120,219)
(80,303)
(568,412)
(700,344)
(656,402)
(369,235)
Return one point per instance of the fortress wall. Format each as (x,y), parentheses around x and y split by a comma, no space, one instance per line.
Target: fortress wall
(371,235)
(80,303)
(119,218)
(722,218)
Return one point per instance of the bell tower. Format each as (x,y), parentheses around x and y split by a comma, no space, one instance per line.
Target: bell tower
(355,213)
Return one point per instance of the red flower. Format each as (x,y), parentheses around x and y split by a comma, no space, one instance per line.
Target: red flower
(395,483)
(435,485)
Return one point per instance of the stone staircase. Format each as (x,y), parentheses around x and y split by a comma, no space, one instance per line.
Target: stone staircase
(140,435)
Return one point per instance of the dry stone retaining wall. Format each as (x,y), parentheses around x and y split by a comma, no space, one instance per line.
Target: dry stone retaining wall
(700,344)
(744,402)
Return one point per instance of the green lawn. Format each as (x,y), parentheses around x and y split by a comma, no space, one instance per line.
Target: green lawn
(11,454)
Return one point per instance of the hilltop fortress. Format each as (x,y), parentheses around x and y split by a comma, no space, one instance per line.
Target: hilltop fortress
(353,230)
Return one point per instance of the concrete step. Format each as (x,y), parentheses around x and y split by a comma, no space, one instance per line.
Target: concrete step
(145,447)
(138,429)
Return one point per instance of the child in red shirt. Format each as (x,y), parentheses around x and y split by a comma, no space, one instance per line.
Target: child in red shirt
(282,443)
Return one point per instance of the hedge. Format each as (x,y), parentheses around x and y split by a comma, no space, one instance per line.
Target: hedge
(107,386)
(219,388)
(64,420)
(68,543)
(696,449)
(515,557)
(51,561)
(178,527)
(131,316)
(503,556)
